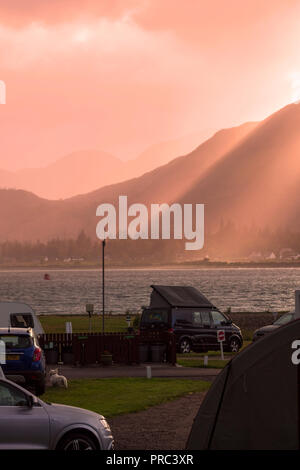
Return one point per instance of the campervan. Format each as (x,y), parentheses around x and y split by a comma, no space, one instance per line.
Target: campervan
(19,315)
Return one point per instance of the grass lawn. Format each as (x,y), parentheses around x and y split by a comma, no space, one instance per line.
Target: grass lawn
(212,363)
(112,397)
(80,323)
(196,359)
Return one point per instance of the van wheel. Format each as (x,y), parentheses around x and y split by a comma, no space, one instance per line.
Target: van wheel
(185,346)
(234,345)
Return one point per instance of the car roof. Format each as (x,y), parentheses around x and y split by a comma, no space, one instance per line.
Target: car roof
(181,296)
(16,331)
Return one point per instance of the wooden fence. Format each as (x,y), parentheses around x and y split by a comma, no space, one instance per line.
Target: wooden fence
(87,348)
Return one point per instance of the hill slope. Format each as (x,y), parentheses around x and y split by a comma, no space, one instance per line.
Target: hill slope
(24,216)
(84,171)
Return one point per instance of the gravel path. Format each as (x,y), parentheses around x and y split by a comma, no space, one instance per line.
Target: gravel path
(162,427)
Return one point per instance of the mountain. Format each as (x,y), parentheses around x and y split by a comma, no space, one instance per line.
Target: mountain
(76,173)
(84,171)
(256,182)
(24,216)
(247,176)
(163,152)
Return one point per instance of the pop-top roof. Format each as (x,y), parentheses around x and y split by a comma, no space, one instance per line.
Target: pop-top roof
(182,296)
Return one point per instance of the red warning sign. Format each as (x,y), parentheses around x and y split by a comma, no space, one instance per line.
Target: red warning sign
(221,336)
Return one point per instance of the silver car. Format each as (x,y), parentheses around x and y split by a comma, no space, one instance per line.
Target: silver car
(282,320)
(26,422)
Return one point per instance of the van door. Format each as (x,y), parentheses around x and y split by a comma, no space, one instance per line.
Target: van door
(218,322)
(202,330)
(183,323)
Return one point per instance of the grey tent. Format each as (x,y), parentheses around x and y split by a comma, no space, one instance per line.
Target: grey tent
(178,296)
(254,403)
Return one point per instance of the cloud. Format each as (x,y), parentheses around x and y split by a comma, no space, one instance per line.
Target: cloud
(120,75)
(20,13)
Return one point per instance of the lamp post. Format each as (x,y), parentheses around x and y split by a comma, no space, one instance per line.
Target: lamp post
(103,285)
(90,310)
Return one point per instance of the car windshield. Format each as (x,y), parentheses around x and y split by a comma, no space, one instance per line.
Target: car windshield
(155,316)
(284,319)
(16,341)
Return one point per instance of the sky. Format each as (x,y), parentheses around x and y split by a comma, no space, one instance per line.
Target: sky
(121,75)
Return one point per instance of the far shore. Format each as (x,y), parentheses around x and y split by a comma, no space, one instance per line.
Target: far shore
(175,266)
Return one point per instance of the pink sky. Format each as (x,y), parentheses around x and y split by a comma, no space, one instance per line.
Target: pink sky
(120,75)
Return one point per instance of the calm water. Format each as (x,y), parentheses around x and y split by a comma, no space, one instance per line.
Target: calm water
(68,291)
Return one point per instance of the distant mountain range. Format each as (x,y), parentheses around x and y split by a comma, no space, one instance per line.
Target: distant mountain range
(247,174)
(84,171)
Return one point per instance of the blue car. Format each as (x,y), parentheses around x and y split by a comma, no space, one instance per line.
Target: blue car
(21,355)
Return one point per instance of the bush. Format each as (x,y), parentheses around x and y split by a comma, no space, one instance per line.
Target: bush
(136,322)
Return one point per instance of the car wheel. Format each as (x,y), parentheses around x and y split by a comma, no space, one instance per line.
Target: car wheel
(234,345)
(40,387)
(77,441)
(185,346)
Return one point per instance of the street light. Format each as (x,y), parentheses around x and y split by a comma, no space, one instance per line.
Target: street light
(90,310)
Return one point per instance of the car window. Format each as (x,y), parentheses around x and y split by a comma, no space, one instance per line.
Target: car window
(205,316)
(21,320)
(10,396)
(197,319)
(155,316)
(16,341)
(183,317)
(217,318)
(284,319)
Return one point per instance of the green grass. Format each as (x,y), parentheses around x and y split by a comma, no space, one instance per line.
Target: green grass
(112,397)
(212,363)
(80,323)
(196,359)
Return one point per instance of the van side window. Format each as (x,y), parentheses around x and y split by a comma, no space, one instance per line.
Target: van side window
(205,318)
(21,320)
(183,318)
(197,320)
(217,317)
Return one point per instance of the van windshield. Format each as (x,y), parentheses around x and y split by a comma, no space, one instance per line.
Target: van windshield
(155,316)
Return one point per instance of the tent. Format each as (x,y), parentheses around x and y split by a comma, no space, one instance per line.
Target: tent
(178,296)
(254,403)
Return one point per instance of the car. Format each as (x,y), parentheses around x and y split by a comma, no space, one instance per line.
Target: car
(282,320)
(194,320)
(19,315)
(24,357)
(194,329)
(27,422)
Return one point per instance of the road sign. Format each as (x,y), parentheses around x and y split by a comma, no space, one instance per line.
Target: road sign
(220,336)
(89,308)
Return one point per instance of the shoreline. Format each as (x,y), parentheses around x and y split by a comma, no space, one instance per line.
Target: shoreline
(187,266)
